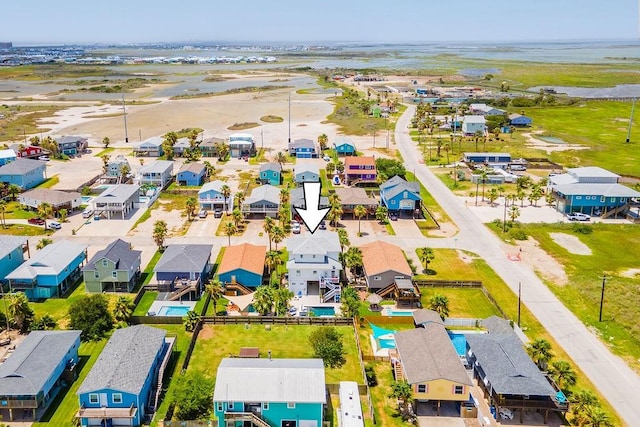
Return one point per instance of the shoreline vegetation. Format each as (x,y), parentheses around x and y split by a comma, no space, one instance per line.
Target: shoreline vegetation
(249,89)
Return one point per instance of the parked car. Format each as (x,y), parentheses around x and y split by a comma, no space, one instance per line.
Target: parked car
(323,225)
(578,216)
(326,158)
(217,213)
(87,213)
(55,225)
(36,221)
(506,414)
(292,311)
(518,167)
(44,158)
(203,213)
(393,216)
(295,228)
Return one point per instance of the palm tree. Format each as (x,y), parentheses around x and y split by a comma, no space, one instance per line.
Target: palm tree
(105,162)
(191,321)
(237,217)
(160,232)
(581,401)
(277,235)
(520,196)
(281,158)
(440,304)
(426,256)
(563,374)
(44,212)
(514,213)
(402,391)
(3,209)
(19,310)
(268,225)
(322,140)
(263,300)
(359,211)
(125,170)
(209,168)
(343,237)
(229,230)
(123,308)
(170,139)
(240,198)
(381,213)
(281,298)
(353,259)
(190,206)
(284,196)
(330,168)
(45,241)
(215,290)
(540,352)
(272,260)
(62,215)
(339,166)
(596,417)
(226,192)
(14,190)
(493,195)
(106,141)
(535,195)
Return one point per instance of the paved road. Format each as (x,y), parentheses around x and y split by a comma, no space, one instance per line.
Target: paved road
(616,381)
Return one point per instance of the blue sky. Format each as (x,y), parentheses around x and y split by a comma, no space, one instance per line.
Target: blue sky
(118,21)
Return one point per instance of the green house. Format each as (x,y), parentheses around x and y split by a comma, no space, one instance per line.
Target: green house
(115,268)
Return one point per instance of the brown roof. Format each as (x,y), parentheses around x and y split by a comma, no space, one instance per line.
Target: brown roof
(380,257)
(246,256)
(427,354)
(360,160)
(192,167)
(54,197)
(355,196)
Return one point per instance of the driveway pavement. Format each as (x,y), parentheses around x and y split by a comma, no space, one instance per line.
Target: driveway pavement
(609,373)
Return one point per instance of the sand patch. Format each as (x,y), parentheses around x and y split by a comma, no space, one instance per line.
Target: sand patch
(547,267)
(206,333)
(571,243)
(549,147)
(631,273)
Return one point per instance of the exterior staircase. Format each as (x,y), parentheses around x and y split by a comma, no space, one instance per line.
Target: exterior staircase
(163,365)
(255,419)
(332,287)
(615,211)
(386,291)
(237,287)
(183,290)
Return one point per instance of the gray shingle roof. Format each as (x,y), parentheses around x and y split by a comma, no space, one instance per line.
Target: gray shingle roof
(319,243)
(117,194)
(271,380)
(427,354)
(397,185)
(507,365)
(343,140)
(595,189)
(497,325)
(159,166)
(54,197)
(271,167)
(297,198)
(155,141)
(21,166)
(119,252)
(424,316)
(265,192)
(302,143)
(50,260)
(125,361)
(303,167)
(9,243)
(180,258)
(27,370)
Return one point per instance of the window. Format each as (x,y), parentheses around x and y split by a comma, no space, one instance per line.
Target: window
(104,262)
(93,398)
(117,397)
(578,197)
(114,274)
(230,405)
(602,199)
(265,406)
(291,405)
(219,406)
(96,274)
(422,388)
(613,199)
(458,389)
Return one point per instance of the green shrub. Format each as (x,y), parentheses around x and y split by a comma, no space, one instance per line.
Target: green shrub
(518,234)
(582,228)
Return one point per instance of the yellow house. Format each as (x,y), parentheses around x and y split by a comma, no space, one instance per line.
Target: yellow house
(430,364)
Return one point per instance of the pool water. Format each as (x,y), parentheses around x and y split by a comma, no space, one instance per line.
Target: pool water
(322,311)
(86,199)
(551,139)
(399,313)
(459,342)
(172,310)
(386,342)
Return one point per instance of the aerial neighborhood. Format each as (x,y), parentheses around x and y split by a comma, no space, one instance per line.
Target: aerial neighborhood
(176,279)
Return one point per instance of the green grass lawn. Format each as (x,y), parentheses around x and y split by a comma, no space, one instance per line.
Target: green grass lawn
(216,342)
(49,182)
(145,303)
(25,230)
(65,405)
(15,211)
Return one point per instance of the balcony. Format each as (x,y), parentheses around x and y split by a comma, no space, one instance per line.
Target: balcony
(103,413)
(13,403)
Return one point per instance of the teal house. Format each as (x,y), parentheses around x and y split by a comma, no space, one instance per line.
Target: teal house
(50,272)
(271,173)
(344,146)
(25,173)
(243,264)
(282,392)
(12,249)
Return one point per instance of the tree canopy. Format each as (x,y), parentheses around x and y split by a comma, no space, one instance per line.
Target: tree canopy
(327,345)
(91,315)
(191,396)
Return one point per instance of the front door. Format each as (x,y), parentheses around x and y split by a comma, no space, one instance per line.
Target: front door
(103,400)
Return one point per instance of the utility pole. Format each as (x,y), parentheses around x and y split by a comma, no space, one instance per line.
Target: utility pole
(504,220)
(289,118)
(604,280)
(633,107)
(519,300)
(262,138)
(124,114)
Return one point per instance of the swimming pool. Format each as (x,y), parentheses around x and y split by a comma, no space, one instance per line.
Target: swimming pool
(551,139)
(86,199)
(386,342)
(459,343)
(174,310)
(399,313)
(322,311)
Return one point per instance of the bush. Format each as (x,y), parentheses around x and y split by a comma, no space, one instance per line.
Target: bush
(372,378)
(582,228)
(518,234)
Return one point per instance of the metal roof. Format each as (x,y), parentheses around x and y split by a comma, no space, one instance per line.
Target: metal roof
(21,166)
(270,380)
(119,252)
(9,243)
(474,119)
(507,366)
(595,189)
(265,192)
(212,185)
(159,166)
(7,154)
(181,258)
(592,171)
(125,361)
(119,193)
(427,354)
(343,140)
(155,141)
(34,361)
(48,261)
(306,167)
(319,243)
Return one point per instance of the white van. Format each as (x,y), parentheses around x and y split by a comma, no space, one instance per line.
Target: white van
(87,213)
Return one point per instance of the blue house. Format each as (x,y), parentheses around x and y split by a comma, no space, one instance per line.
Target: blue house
(50,272)
(123,385)
(306,172)
(401,196)
(591,190)
(210,196)
(183,269)
(303,149)
(191,174)
(344,146)
(31,376)
(71,145)
(282,392)
(12,249)
(25,173)
(271,173)
(473,124)
(7,156)
(243,264)
(519,120)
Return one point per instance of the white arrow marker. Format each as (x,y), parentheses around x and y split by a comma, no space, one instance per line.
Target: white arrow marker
(312,216)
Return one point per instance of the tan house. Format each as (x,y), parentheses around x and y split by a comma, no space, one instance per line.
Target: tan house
(383,263)
(427,360)
(350,197)
(68,200)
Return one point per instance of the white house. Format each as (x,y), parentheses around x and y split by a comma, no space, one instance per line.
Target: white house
(485,110)
(473,124)
(313,261)
(157,174)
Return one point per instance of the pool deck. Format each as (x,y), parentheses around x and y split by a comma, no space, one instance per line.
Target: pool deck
(157,305)
(389,310)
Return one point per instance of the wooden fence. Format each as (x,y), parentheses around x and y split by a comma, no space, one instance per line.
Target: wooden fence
(274,320)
